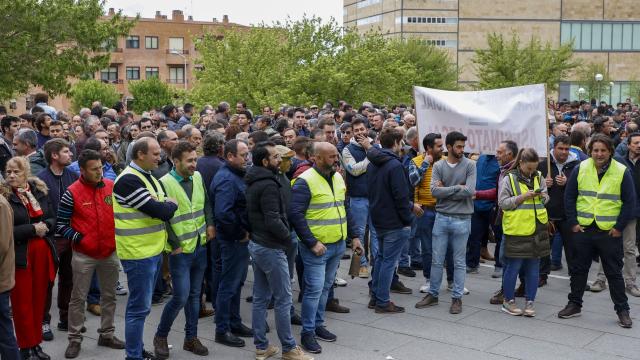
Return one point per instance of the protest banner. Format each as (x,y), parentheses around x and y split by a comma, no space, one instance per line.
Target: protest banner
(486,117)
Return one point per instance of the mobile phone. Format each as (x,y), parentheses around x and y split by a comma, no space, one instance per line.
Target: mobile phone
(537,191)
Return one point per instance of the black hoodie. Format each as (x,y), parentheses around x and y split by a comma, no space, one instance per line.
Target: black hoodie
(267,209)
(390,201)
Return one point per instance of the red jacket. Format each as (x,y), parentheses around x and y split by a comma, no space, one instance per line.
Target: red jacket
(93,218)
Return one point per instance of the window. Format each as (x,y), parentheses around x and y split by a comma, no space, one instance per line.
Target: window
(601,36)
(176,44)
(133,73)
(133,42)
(369,20)
(430,20)
(109,74)
(365,3)
(151,71)
(176,75)
(151,42)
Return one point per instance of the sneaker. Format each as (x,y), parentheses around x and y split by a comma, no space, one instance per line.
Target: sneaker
(569,311)
(497,273)
(555,267)
(399,288)
(94,309)
(333,305)
(425,288)
(47,334)
(472,270)
(465,291)
(267,353)
(456,306)
(624,320)
(391,308)
(121,290)
(497,298)
(406,271)
(147,355)
(364,272)
(325,335)
(295,354)
(633,290)
(340,282)
(598,286)
(194,346)
(309,343)
(427,301)
(511,308)
(73,350)
(529,310)
(161,347)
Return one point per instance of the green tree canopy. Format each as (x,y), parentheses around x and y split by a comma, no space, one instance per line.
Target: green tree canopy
(47,42)
(311,61)
(85,92)
(510,63)
(150,93)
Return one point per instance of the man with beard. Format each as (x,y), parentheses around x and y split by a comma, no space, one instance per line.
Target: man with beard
(319,218)
(171,114)
(271,240)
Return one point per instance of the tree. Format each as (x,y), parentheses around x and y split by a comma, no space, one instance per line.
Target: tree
(509,63)
(46,43)
(85,92)
(587,80)
(150,93)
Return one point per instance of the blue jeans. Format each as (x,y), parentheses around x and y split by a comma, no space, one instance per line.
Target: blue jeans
(512,267)
(319,274)
(359,208)
(391,244)
(235,261)
(556,249)
(480,222)
(453,232)
(141,278)
(8,344)
(411,250)
(271,278)
(424,233)
(187,271)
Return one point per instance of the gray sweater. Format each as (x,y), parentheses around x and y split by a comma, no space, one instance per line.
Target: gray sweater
(455,196)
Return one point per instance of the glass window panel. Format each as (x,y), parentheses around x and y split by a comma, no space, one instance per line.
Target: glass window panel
(585,43)
(627,33)
(565,33)
(616,40)
(176,44)
(606,36)
(596,36)
(575,34)
(636,37)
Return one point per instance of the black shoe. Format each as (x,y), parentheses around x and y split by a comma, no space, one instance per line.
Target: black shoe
(416,266)
(242,331)
(406,271)
(624,320)
(569,311)
(325,335)
(555,267)
(391,308)
(333,305)
(372,303)
(28,354)
(296,320)
(147,355)
(309,343)
(229,339)
(47,334)
(399,288)
(40,354)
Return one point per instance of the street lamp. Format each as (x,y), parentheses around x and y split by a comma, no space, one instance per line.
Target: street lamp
(176,52)
(599,78)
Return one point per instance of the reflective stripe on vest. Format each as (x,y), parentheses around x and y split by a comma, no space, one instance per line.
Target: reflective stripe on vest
(138,236)
(188,222)
(599,200)
(521,221)
(326,215)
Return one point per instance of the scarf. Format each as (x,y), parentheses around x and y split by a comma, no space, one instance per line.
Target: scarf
(29,201)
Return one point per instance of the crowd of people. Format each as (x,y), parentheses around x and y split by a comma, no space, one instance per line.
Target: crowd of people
(186,202)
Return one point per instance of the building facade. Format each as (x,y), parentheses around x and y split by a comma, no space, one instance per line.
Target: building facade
(604,31)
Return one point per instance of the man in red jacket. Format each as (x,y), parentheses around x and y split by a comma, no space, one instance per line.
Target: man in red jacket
(85,216)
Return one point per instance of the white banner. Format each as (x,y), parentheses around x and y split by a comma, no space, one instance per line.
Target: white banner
(486,117)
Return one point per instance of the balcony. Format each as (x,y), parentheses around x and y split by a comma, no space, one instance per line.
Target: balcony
(182,52)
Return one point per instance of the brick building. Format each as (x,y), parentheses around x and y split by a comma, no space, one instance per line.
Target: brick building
(604,31)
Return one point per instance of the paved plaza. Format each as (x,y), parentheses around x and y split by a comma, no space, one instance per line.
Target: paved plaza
(482,331)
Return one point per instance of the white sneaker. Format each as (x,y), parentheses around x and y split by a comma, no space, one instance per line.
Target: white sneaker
(425,288)
(340,282)
(120,290)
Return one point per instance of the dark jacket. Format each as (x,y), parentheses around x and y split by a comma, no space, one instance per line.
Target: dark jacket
(208,166)
(23,230)
(56,183)
(487,171)
(267,209)
(164,166)
(555,205)
(230,204)
(37,162)
(528,247)
(390,200)
(634,169)
(6,153)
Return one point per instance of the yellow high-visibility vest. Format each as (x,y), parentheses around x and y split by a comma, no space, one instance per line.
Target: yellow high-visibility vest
(599,200)
(521,221)
(188,222)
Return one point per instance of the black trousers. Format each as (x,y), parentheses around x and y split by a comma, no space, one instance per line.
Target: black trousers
(588,245)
